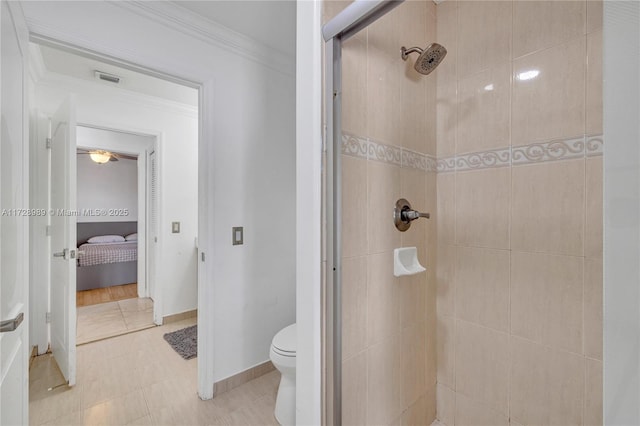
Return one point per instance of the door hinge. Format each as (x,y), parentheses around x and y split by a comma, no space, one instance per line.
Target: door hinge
(47,317)
(47,230)
(48,143)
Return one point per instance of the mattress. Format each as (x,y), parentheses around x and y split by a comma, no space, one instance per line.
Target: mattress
(98,254)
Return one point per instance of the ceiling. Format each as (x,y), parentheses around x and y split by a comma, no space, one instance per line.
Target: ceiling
(272,22)
(70,64)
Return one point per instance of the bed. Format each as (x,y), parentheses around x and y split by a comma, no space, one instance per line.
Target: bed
(106,264)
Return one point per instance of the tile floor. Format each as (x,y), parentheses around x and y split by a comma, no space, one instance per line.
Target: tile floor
(97,322)
(138,379)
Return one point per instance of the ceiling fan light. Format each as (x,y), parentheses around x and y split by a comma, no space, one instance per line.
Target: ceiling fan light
(100,157)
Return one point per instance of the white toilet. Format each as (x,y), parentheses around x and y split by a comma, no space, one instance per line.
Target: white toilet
(283,357)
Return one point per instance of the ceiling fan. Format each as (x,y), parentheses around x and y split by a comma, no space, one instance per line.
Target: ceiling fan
(102,156)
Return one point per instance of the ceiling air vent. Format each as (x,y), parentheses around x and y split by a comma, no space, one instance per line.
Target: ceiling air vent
(107,77)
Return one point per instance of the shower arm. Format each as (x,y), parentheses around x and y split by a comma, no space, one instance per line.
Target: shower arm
(405,51)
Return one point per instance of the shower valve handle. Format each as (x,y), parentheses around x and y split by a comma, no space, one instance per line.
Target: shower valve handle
(409,215)
(403,214)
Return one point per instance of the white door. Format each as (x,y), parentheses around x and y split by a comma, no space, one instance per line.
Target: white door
(14,221)
(152,230)
(63,239)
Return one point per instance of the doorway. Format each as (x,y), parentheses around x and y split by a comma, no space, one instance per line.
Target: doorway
(133,122)
(113,286)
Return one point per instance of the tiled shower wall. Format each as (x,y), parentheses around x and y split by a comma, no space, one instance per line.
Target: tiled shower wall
(389,360)
(519,188)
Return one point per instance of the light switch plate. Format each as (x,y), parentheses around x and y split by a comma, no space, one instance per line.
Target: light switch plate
(237,235)
(175,227)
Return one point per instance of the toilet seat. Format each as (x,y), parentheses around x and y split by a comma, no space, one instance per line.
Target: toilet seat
(284,343)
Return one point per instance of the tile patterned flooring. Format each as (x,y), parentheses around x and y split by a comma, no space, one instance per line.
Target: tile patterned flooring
(97,322)
(138,379)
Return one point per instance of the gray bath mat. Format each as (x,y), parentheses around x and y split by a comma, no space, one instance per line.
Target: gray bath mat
(184,341)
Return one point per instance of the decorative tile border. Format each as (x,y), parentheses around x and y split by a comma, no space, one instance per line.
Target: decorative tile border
(368,149)
(594,145)
(482,160)
(548,151)
(555,150)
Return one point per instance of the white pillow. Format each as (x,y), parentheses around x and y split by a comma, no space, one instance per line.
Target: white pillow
(132,237)
(105,239)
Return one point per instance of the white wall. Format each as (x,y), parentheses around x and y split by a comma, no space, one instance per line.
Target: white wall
(621,75)
(109,186)
(247,163)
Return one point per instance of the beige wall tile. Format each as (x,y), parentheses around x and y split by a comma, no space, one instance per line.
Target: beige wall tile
(447,118)
(593,306)
(482,365)
(383,299)
(385,75)
(419,413)
(474,413)
(383,185)
(446,280)
(414,362)
(354,390)
(593,393)
(412,186)
(548,207)
(484,31)
(483,207)
(447,35)
(594,15)
(594,83)
(546,385)
(593,216)
(431,118)
(445,402)
(446,209)
(541,24)
(384,374)
(413,131)
(482,287)
(546,299)
(484,109)
(354,305)
(413,299)
(354,86)
(332,8)
(552,104)
(384,34)
(445,351)
(354,203)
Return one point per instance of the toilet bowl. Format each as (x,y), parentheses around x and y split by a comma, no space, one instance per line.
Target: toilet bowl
(283,357)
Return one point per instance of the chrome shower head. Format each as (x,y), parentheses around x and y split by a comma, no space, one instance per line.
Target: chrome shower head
(429,58)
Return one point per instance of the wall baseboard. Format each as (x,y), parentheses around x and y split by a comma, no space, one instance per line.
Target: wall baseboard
(225,385)
(179,317)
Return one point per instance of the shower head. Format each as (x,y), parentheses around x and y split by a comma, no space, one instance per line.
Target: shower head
(429,58)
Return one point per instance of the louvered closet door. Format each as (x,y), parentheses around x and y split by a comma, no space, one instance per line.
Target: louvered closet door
(152,208)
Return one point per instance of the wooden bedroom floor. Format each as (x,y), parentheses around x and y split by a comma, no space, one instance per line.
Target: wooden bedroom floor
(105,295)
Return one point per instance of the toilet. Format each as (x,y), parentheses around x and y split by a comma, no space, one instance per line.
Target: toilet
(283,357)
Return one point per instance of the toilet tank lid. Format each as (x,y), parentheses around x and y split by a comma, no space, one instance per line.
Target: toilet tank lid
(286,339)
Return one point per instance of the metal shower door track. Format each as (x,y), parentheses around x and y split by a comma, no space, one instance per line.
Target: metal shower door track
(352,19)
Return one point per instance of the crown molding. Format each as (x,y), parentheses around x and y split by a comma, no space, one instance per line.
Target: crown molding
(183,20)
